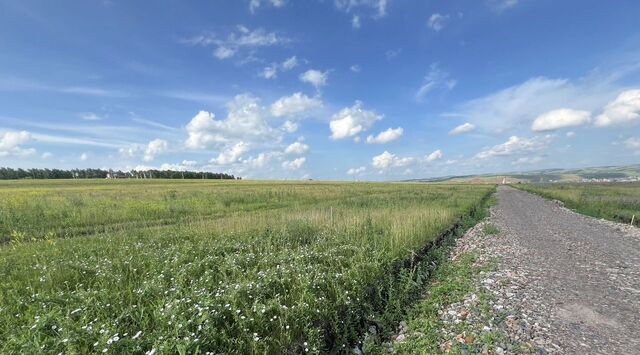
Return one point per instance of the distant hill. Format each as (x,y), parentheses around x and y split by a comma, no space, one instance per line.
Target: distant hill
(595,174)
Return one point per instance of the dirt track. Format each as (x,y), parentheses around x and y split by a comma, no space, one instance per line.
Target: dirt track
(579,274)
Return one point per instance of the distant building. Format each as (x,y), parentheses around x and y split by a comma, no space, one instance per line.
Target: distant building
(116,175)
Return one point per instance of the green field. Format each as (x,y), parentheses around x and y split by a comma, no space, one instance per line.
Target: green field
(615,202)
(222,266)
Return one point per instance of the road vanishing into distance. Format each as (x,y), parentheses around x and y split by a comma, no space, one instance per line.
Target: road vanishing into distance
(582,274)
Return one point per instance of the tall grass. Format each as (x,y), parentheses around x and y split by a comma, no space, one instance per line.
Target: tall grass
(223,267)
(615,202)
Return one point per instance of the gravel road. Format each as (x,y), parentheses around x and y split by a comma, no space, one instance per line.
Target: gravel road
(577,277)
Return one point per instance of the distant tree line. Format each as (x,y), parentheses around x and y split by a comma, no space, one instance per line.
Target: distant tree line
(15,174)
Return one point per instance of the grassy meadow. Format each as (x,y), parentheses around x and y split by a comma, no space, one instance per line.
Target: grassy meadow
(616,202)
(194,266)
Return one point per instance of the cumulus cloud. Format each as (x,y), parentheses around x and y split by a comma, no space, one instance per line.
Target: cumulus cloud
(155,147)
(270,72)
(625,109)
(436,79)
(10,144)
(387,136)
(355,68)
(294,105)
(231,155)
(356,171)
(435,155)
(223,52)
(560,118)
(184,166)
(294,164)
(290,63)
(462,129)
(84,157)
(351,121)
(514,145)
(246,121)
(242,38)
(387,160)
(436,21)
(297,148)
(315,77)
(289,126)
(47,155)
(147,151)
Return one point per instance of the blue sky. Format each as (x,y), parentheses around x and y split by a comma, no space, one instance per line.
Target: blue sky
(333,89)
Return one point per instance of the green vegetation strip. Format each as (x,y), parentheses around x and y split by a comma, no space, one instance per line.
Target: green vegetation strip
(615,202)
(309,276)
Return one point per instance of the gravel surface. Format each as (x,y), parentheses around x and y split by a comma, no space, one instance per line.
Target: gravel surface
(550,281)
(576,278)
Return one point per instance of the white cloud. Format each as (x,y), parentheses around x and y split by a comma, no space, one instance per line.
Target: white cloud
(501,5)
(355,68)
(463,128)
(235,41)
(289,126)
(290,63)
(11,141)
(392,53)
(314,77)
(90,116)
(387,136)
(246,121)
(297,148)
(184,166)
(571,134)
(255,4)
(294,164)
(231,155)
(632,143)
(270,72)
(560,118)
(148,151)
(47,155)
(527,160)
(84,157)
(351,121)
(131,151)
(435,155)
(260,161)
(356,171)
(435,79)
(379,6)
(223,52)
(355,21)
(515,107)
(155,147)
(625,109)
(387,160)
(436,21)
(514,145)
(294,105)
